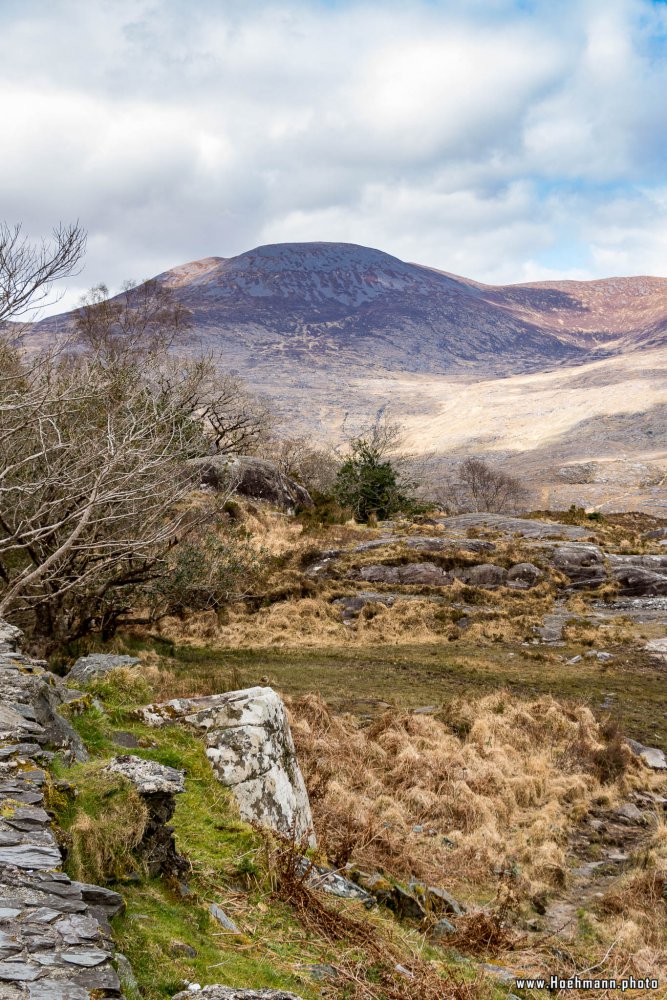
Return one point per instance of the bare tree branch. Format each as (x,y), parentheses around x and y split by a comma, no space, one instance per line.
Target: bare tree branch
(28,270)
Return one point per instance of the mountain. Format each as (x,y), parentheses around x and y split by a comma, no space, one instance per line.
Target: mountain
(332,303)
(330,328)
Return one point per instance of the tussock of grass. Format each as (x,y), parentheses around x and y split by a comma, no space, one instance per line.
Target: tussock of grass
(501,779)
(103,826)
(587,632)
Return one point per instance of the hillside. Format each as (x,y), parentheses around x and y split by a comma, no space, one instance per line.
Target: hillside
(537,374)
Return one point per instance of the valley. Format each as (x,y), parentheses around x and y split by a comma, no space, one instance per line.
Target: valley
(535,377)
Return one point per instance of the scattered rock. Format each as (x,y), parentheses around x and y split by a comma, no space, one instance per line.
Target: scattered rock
(251,750)
(436,900)
(157,785)
(332,882)
(89,668)
(321,973)
(652,756)
(219,914)
(444,928)
(397,899)
(630,813)
(180,949)
(500,972)
(127,740)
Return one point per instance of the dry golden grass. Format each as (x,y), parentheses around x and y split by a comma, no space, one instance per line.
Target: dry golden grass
(631,920)
(106,831)
(503,781)
(587,632)
(314,621)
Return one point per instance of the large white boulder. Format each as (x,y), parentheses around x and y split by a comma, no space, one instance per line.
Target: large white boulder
(250,746)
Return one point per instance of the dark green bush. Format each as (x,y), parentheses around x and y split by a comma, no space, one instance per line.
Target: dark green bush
(369,484)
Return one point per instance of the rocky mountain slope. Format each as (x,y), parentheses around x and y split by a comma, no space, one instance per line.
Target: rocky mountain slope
(320,303)
(566,371)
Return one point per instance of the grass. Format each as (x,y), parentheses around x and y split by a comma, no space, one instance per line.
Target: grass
(515,750)
(408,676)
(484,789)
(171,938)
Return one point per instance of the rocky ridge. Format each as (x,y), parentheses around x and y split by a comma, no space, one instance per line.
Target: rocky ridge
(567,551)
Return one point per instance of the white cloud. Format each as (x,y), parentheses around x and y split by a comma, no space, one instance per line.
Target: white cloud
(503,141)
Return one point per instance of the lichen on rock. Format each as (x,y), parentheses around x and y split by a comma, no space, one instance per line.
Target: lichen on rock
(250,746)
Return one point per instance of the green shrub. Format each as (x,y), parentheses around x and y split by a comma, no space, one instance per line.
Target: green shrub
(368,484)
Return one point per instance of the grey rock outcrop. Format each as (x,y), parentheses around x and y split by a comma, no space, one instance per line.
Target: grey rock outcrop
(526,527)
(250,746)
(486,575)
(427,574)
(640,576)
(255,478)
(584,565)
(657,648)
(653,757)
(578,472)
(423,574)
(54,941)
(89,668)
(524,575)
(230,993)
(428,543)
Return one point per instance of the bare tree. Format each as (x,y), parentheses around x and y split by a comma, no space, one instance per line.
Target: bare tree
(302,459)
(142,320)
(28,270)
(147,322)
(478,487)
(91,492)
(232,419)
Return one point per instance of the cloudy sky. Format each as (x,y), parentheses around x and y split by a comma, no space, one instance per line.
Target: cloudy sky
(506,141)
